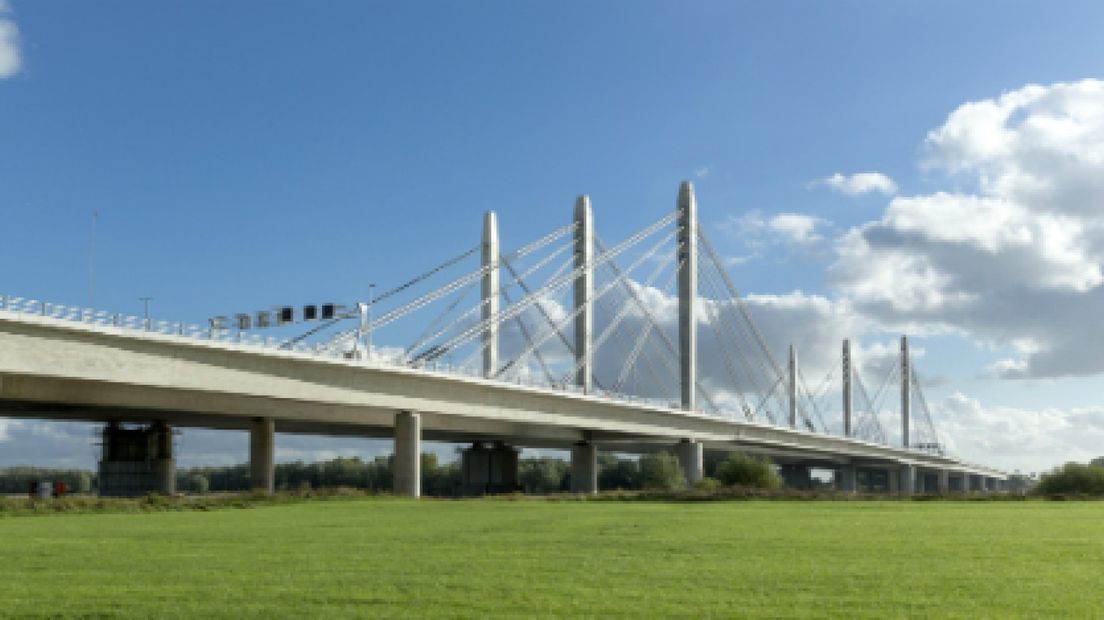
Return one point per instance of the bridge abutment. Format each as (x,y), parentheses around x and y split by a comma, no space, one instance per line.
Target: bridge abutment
(262,455)
(137,461)
(491,469)
(584,468)
(408,454)
(691,459)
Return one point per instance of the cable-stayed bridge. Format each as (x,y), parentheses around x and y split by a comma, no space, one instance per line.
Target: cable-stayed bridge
(564,342)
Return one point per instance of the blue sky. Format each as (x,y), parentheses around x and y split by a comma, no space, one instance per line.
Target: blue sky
(248,154)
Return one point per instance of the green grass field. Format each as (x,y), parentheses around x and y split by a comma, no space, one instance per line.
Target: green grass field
(384,557)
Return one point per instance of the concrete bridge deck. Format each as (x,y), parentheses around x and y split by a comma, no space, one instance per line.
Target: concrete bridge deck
(62,369)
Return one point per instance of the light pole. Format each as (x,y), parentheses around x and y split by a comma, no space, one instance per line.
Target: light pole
(145,301)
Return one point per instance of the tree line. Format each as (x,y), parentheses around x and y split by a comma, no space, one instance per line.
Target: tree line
(539,476)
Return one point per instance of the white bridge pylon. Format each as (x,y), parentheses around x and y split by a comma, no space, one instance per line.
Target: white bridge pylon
(655,317)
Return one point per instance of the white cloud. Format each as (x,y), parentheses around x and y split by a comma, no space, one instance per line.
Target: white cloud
(757,231)
(796,227)
(703,172)
(1018,257)
(861,183)
(1012,438)
(10,58)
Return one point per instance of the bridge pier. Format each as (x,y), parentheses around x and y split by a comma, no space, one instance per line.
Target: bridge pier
(408,454)
(847,479)
(796,476)
(967,482)
(944,481)
(489,469)
(691,458)
(262,455)
(908,479)
(584,468)
(137,461)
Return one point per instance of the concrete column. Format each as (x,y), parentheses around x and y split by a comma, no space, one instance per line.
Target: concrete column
(967,486)
(791,389)
(944,480)
(584,468)
(847,479)
(408,454)
(584,291)
(691,458)
(688,294)
(490,294)
(166,464)
(906,391)
(893,481)
(262,455)
(908,479)
(847,374)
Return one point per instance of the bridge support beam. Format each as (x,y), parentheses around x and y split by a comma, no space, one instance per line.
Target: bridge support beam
(691,458)
(408,454)
(847,479)
(584,468)
(491,469)
(688,294)
(262,455)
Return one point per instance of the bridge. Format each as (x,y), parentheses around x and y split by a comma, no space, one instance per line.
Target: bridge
(564,343)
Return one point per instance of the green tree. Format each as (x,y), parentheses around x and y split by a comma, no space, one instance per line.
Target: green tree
(661,471)
(615,473)
(198,483)
(748,471)
(540,476)
(1073,478)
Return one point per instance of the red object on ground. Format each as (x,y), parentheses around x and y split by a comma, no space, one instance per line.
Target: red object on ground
(59,488)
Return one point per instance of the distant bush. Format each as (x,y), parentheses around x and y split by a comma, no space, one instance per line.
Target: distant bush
(661,471)
(1073,478)
(709,485)
(748,471)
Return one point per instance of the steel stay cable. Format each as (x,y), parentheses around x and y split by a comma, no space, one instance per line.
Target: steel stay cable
(748,366)
(556,284)
(613,324)
(605,289)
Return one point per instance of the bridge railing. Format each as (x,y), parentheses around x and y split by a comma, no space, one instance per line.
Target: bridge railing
(191,331)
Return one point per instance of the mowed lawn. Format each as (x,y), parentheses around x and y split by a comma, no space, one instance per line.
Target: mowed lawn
(384,557)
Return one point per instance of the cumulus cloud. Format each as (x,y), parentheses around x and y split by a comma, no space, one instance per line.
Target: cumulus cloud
(757,231)
(860,183)
(10,58)
(1019,438)
(1018,255)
